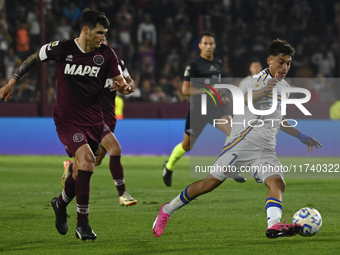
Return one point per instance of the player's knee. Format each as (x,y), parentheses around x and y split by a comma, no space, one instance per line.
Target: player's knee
(115,151)
(275,183)
(87,164)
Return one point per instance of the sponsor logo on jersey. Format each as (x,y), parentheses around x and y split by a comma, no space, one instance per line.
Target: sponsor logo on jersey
(108,83)
(98,59)
(81,70)
(257,85)
(212,68)
(69,58)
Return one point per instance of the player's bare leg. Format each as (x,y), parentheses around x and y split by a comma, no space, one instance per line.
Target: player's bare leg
(276,187)
(177,153)
(101,155)
(194,190)
(77,185)
(226,128)
(111,144)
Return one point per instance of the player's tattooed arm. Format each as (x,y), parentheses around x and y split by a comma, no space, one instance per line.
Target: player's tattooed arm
(27,65)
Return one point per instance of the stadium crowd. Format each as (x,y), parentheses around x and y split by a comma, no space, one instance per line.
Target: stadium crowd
(158,38)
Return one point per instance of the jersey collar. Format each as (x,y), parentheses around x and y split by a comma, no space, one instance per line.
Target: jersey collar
(75,40)
(267,71)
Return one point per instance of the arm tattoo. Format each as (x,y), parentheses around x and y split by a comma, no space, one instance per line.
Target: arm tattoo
(27,65)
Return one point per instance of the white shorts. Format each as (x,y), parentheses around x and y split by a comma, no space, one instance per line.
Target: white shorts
(247,158)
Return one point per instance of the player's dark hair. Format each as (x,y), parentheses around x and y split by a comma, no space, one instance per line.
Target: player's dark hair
(91,18)
(206,34)
(279,46)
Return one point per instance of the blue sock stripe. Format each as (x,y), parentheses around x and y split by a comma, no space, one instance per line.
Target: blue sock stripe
(184,196)
(273,202)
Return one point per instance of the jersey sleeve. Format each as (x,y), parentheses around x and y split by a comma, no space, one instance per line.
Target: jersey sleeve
(113,65)
(122,68)
(190,72)
(50,51)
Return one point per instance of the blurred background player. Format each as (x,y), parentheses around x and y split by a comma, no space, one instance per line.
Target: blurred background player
(253,147)
(116,168)
(203,66)
(254,68)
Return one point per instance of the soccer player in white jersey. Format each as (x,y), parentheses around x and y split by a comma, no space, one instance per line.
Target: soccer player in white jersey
(251,146)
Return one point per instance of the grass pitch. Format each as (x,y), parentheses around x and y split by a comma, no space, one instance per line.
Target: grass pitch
(229,220)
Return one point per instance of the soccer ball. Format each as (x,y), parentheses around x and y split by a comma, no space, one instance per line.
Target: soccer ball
(310,220)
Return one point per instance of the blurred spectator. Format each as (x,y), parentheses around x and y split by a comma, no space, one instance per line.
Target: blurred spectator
(158,95)
(226,71)
(23,41)
(146,90)
(124,21)
(167,87)
(26,91)
(72,13)
(34,26)
(11,62)
(177,93)
(166,36)
(324,88)
(254,68)
(147,30)
(5,39)
(324,60)
(63,31)
(184,36)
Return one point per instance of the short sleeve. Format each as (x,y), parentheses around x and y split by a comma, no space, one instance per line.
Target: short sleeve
(113,65)
(49,51)
(190,72)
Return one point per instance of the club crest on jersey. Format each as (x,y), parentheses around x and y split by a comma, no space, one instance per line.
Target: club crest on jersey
(98,59)
(78,137)
(81,70)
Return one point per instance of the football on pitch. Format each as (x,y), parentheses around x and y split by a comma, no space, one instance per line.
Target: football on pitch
(310,220)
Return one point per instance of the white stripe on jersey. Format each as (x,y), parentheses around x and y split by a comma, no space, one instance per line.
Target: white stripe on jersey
(42,52)
(125,73)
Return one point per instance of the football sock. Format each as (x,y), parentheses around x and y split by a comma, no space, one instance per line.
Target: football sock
(178,202)
(117,173)
(176,154)
(83,194)
(68,193)
(274,211)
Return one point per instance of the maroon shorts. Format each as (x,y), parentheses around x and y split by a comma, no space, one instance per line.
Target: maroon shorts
(111,121)
(73,136)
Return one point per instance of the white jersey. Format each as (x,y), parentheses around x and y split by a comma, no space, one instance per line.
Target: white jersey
(260,130)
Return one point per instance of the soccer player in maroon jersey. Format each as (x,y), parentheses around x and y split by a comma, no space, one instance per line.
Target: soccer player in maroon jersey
(83,64)
(114,148)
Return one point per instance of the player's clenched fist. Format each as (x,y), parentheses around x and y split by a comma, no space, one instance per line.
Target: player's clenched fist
(271,83)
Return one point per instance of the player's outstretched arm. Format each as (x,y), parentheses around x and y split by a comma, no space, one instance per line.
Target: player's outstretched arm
(28,64)
(309,141)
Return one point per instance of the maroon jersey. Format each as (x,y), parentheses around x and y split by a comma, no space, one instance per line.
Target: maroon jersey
(110,97)
(81,78)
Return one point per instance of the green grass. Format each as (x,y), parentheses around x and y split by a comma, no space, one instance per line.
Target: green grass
(229,220)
